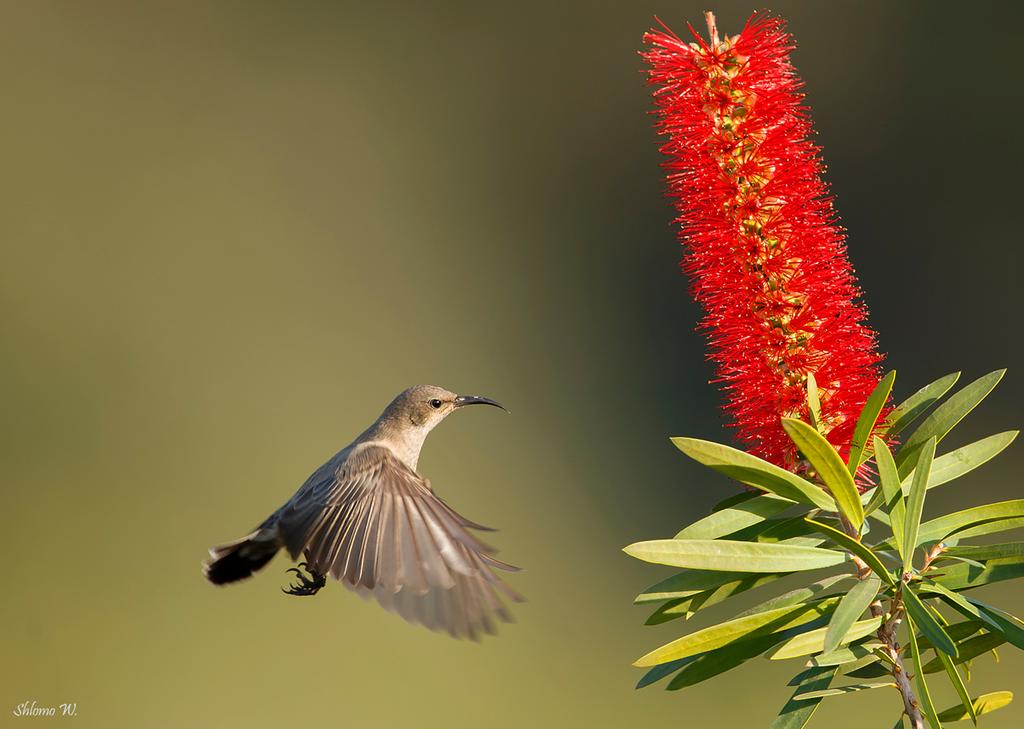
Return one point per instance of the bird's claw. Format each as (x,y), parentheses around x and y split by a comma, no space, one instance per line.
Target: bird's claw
(306,586)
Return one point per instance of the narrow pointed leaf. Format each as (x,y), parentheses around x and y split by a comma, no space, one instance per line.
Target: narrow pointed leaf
(786,529)
(851,607)
(686,584)
(751,626)
(922,686)
(662,671)
(954,558)
(730,501)
(673,609)
(730,589)
(892,492)
(866,422)
(807,593)
(724,555)
(988,551)
(711,664)
(915,503)
(795,714)
(927,623)
(953,465)
(957,631)
(686,607)
(814,640)
(849,654)
(1003,625)
(958,685)
(726,521)
(851,688)
(858,548)
(917,404)
(944,418)
(754,471)
(944,526)
(989,526)
(830,467)
(965,576)
(876,669)
(984,704)
(968,650)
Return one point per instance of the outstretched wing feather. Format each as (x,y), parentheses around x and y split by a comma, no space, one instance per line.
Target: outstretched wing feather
(377,526)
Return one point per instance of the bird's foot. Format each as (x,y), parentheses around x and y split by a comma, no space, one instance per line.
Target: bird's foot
(306,585)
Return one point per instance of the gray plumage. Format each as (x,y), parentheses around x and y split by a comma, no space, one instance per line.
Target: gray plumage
(369,520)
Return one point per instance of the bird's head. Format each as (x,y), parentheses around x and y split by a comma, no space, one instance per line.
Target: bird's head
(424,406)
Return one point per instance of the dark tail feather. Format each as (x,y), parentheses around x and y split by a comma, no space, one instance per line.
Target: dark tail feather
(237,560)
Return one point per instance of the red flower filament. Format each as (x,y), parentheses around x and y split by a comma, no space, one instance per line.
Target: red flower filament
(764,252)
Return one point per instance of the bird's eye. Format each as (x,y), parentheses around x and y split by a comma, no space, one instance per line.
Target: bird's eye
(435,403)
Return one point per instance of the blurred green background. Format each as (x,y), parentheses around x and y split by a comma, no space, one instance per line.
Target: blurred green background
(231,232)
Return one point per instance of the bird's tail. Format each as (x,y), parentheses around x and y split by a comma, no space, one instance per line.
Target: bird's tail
(238,559)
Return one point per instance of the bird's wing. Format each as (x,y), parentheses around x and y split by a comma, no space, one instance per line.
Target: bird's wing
(379,528)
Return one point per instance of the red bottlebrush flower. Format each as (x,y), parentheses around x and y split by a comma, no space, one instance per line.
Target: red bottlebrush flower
(766,256)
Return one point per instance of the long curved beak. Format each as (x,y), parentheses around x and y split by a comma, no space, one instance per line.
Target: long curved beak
(477,400)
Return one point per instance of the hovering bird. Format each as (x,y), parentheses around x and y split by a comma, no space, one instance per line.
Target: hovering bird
(370,521)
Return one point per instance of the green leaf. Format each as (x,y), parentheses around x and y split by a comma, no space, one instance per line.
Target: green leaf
(968,650)
(922,686)
(958,685)
(713,663)
(914,406)
(956,631)
(663,670)
(754,471)
(730,501)
(954,558)
(830,468)
(995,620)
(726,521)
(945,417)
(915,503)
(984,704)
(814,640)
(988,551)
(788,530)
(951,466)
(673,609)
(730,589)
(851,688)
(858,548)
(990,526)
(851,606)
(795,714)
(944,526)
(686,584)
(729,556)
(866,422)
(813,401)
(751,626)
(929,626)
(965,576)
(686,607)
(849,654)
(876,669)
(807,593)
(892,492)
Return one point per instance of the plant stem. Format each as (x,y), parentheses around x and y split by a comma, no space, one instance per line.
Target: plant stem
(887,634)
